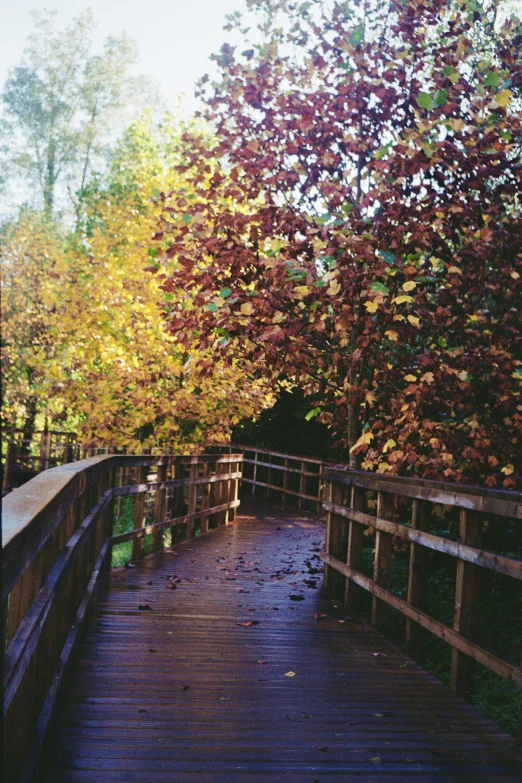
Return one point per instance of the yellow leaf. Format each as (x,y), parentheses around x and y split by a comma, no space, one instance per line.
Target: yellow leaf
(503,97)
(515,275)
(383,467)
(403,298)
(413,320)
(372,307)
(454,270)
(410,378)
(247,308)
(290,674)
(301,290)
(365,438)
(370,398)
(391,335)
(508,470)
(409,285)
(334,288)
(428,377)
(388,445)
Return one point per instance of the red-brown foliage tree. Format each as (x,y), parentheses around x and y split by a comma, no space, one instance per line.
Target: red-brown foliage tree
(363,237)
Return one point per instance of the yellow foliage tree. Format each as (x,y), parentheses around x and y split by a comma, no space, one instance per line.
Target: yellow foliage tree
(126,377)
(34,270)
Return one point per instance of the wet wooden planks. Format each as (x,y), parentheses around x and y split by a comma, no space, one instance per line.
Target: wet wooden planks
(187,690)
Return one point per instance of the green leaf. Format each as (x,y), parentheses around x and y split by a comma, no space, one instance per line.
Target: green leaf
(212,307)
(380,288)
(386,256)
(169,297)
(320,283)
(442,342)
(187,218)
(492,79)
(152,252)
(449,70)
(382,151)
(312,414)
(425,101)
(357,35)
(441,96)
(225,292)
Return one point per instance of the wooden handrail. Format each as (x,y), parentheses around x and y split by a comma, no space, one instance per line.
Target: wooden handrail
(348,514)
(58,537)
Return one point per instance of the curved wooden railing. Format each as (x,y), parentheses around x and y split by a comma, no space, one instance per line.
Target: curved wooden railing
(402,510)
(57,542)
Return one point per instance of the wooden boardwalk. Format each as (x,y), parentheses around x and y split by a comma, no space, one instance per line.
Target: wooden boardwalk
(194,684)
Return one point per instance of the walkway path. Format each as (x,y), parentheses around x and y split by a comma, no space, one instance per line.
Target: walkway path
(229,678)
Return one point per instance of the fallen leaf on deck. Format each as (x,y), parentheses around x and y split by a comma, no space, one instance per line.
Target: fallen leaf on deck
(320,616)
(249,623)
(185,687)
(144,607)
(290,674)
(385,714)
(321,747)
(260,661)
(296,597)
(379,655)
(375,760)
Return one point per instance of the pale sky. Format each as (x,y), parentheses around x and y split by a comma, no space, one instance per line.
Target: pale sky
(175,37)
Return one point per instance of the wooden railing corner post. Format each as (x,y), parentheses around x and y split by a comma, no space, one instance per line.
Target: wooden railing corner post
(354,556)
(383,557)
(9,468)
(417,580)
(138,544)
(159,508)
(466,605)
(336,542)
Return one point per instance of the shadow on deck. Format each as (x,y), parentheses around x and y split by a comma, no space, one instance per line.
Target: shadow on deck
(236,676)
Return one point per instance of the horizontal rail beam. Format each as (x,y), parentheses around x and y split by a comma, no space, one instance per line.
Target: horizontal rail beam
(274,466)
(507,504)
(504,669)
(175,522)
(499,563)
(137,489)
(256,483)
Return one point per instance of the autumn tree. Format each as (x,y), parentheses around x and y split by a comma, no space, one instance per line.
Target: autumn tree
(365,241)
(126,378)
(34,268)
(60,106)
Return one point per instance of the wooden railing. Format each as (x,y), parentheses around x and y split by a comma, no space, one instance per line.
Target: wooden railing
(359,504)
(57,542)
(286,479)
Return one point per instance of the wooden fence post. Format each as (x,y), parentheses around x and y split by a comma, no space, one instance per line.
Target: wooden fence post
(159,509)
(336,542)
(383,555)
(9,468)
(205,499)
(417,579)
(302,485)
(254,474)
(233,491)
(466,605)
(192,499)
(138,544)
(285,482)
(354,557)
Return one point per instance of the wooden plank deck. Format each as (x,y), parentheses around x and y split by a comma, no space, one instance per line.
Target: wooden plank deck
(185,692)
